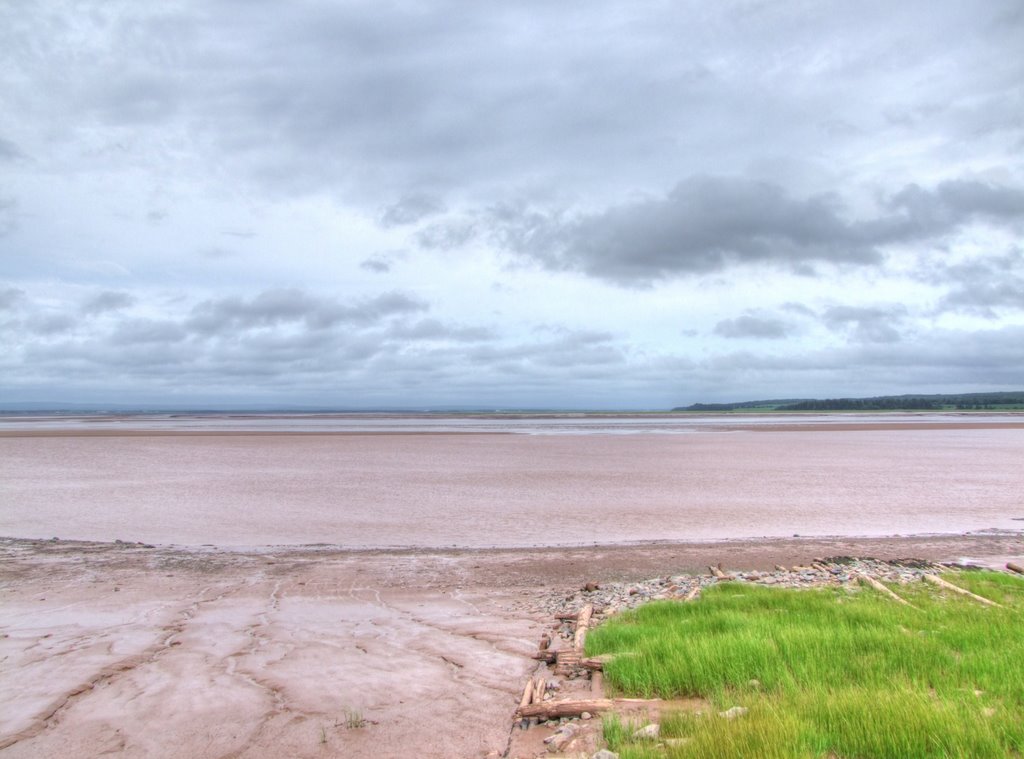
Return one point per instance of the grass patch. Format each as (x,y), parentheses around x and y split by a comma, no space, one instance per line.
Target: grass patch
(828,672)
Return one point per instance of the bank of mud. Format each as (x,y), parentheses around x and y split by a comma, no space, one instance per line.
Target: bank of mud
(317,651)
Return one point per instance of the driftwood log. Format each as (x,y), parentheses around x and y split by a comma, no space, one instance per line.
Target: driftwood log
(717,572)
(557,709)
(582,621)
(939,582)
(527,695)
(694,592)
(882,589)
(1015,567)
(566,661)
(540,687)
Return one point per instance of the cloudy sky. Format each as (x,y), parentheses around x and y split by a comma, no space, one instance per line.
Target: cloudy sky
(598,204)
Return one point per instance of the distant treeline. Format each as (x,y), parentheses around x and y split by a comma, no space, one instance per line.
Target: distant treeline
(865,404)
(937,402)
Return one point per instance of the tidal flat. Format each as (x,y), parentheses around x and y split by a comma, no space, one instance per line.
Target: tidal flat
(344,594)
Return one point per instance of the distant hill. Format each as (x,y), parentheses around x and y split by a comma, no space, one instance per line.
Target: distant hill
(914,402)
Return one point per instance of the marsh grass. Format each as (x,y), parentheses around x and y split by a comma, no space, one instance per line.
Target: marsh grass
(829,672)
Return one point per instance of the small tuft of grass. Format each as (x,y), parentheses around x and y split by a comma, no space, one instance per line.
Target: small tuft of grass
(353,720)
(837,673)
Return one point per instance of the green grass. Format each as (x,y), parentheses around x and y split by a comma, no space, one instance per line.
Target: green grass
(839,673)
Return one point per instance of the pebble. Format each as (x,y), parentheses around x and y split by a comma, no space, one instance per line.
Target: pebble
(615,597)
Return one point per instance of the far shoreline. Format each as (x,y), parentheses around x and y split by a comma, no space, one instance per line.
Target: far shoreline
(636,559)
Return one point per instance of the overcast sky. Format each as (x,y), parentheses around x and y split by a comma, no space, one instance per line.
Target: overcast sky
(595,204)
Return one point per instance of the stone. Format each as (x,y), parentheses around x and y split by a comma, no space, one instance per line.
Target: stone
(734,712)
(649,732)
(604,754)
(586,715)
(561,737)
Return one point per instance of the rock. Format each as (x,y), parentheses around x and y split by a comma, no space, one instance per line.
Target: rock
(590,587)
(754,683)
(586,715)
(561,736)
(734,712)
(604,754)
(649,732)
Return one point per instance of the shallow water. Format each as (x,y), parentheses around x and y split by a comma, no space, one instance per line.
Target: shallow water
(435,490)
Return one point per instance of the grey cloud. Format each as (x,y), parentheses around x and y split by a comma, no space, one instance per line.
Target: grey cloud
(11,297)
(750,325)
(981,285)
(138,331)
(876,324)
(386,100)
(930,213)
(109,300)
(411,209)
(800,309)
(706,224)
(376,264)
(936,361)
(46,324)
(983,298)
(274,307)
(447,234)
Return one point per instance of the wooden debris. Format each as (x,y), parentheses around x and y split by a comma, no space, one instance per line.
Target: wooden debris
(557,709)
(694,592)
(547,656)
(780,568)
(527,695)
(545,641)
(566,661)
(596,684)
(540,687)
(1015,567)
(882,589)
(939,582)
(582,621)
(596,663)
(718,573)
(819,566)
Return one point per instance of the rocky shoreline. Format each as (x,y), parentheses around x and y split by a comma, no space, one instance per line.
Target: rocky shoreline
(612,598)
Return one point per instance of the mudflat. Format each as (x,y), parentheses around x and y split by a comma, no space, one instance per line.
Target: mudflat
(510,490)
(313,652)
(377,594)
